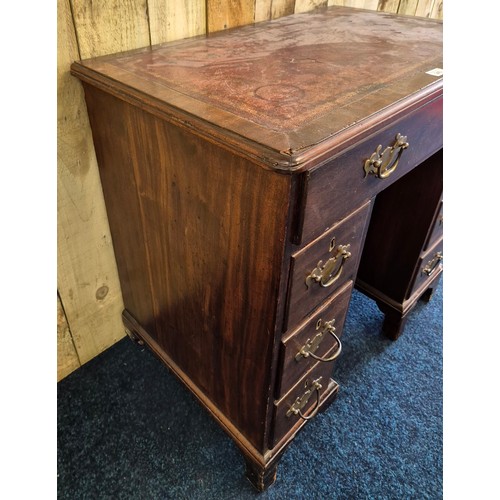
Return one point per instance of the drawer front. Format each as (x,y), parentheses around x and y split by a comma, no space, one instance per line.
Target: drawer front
(436,232)
(304,396)
(326,264)
(430,265)
(334,188)
(315,338)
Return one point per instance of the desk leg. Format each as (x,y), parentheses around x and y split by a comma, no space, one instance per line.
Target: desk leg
(394,321)
(260,477)
(427,296)
(395,315)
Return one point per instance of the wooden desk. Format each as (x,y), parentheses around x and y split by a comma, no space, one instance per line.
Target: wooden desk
(242,172)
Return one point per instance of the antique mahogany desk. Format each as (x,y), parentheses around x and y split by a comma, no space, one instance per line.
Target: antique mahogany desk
(252,178)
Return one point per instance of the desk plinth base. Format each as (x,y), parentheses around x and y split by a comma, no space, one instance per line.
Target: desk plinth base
(261,468)
(260,477)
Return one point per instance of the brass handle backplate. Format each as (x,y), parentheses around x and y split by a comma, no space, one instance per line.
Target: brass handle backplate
(327,274)
(302,401)
(382,164)
(312,345)
(433,264)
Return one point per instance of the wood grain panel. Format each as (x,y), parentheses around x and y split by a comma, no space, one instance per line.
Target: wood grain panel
(357,4)
(388,5)
(263,9)
(87,276)
(224,14)
(437,10)
(362,4)
(424,8)
(282,8)
(67,357)
(215,240)
(129,239)
(366,4)
(108,26)
(307,5)
(408,7)
(216,309)
(175,20)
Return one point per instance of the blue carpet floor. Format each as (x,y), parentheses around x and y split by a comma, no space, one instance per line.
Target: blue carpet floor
(127,429)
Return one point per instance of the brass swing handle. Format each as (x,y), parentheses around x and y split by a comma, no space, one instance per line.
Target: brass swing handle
(302,401)
(383,164)
(312,345)
(326,275)
(433,264)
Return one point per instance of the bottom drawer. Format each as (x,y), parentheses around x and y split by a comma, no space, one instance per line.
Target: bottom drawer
(302,399)
(429,266)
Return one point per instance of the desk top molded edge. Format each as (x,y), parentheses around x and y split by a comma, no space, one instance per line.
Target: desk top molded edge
(251,129)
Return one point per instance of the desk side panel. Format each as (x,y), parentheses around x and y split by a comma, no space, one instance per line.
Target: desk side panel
(212,238)
(117,172)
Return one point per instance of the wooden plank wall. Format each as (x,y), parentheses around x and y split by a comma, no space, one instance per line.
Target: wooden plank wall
(89,297)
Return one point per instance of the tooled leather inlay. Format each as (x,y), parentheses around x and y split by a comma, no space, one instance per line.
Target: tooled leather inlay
(283,74)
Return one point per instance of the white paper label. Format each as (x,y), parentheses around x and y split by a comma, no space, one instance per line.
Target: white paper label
(435,72)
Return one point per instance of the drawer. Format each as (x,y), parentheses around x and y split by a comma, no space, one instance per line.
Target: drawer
(337,186)
(313,339)
(436,231)
(304,396)
(429,267)
(326,264)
